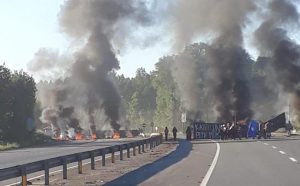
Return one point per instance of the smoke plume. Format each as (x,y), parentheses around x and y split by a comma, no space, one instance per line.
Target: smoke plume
(104,27)
(273,41)
(225,56)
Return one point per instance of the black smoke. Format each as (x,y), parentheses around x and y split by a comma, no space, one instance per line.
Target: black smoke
(273,41)
(104,27)
(228,80)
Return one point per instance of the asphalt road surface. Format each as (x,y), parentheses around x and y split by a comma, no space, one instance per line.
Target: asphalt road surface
(272,162)
(27,155)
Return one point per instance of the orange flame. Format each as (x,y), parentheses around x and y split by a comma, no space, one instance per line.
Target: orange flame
(79,136)
(116,135)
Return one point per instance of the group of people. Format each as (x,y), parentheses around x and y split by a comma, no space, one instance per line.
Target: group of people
(231,131)
(236,130)
(264,130)
(174,131)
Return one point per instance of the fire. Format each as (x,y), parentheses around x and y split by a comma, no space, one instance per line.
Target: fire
(79,136)
(94,136)
(116,135)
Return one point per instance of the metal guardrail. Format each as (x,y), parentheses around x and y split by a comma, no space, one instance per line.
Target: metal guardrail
(24,169)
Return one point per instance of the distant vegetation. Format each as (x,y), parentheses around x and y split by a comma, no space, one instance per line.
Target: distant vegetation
(146,98)
(155,96)
(17,102)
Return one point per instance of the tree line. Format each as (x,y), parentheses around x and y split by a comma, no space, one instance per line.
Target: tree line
(17,102)
(151,98)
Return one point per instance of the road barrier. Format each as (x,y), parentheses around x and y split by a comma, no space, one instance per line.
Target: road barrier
(44,165)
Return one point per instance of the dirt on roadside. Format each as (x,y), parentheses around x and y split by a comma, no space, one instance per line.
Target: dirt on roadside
(111,171)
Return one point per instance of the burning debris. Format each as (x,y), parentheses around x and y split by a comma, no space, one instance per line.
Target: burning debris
(116,135)
(61,119)
(101,24)
(223,73)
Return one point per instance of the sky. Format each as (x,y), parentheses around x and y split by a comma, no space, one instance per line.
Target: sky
(29,25)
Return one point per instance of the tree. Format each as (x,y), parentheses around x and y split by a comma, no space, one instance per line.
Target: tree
(167,104)
(5,100)
(17,96)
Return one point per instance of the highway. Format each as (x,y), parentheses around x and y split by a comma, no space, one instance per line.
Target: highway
(272,162)
(245,162)
(27,155)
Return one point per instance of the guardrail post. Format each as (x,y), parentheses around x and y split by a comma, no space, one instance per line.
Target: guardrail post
(161,138)
(143,146)
(46,167)
(139,148)
(151,144)
(112,155)
(79,165)
(65,169)
(134,150)
(24,176)
(128,150)
(121,152)
(103,157)
(93,160)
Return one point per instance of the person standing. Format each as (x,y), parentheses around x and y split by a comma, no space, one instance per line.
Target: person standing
(238,131)
(268,130)
(166,133)
(174,133)
(189,133)
(223,131)
(227,131)
(261,130)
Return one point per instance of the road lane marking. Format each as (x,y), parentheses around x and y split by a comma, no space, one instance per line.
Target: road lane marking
(265,143)
(211,168)
(274,147)
(282,152)
(293,159)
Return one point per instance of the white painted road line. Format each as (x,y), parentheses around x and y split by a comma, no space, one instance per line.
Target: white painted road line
(281,152)
(293,159)
(274,147)
(265,143)
(211,168)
